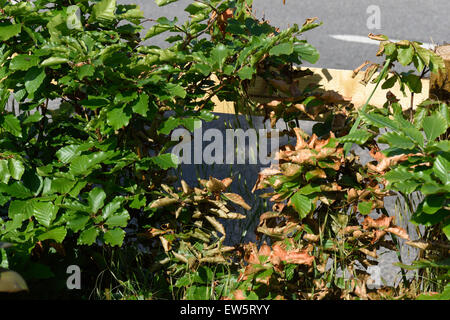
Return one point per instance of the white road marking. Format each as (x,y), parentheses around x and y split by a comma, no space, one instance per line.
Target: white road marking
(366,40)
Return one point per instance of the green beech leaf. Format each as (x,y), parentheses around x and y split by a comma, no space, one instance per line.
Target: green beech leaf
(68,153)
(94,102)
(16,168)
(307,52)
(111,207)
(433,203)
(53,61)
(8,30)
(35,117)
(156,29)
(86,70)
(407,187)
(358,136)
(365,207)
(118,117)
(88,236)
(76,221)
(302,204)
(441,169)
(176,90)
(405,54)
(104,11)
(379,121)
(19,190)
(141,105)
(4,171)
(414,134)
(33,79)
(96,199)
(399,174)
(246,73)
(389,83)
(44,212)
(161,3)
(434,126)
(283,48)
(446,230)
(414,83)
(11,124)
(420,217)
(61,185)
(166,161)
(23,62)
(118,219)
(114,237)
(397,140)
(443,145)
(309,189)
(22,208)
(219,55)
(57,234)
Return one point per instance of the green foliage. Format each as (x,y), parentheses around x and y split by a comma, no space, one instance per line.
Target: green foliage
(83,146)
(426,167)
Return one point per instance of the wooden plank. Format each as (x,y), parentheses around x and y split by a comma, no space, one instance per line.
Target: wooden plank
(342,82)
(440,82)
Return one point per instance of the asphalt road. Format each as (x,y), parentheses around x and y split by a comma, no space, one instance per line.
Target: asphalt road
(418,20)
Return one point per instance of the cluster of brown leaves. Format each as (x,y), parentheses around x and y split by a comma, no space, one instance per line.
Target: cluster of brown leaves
(221,19)
(317,157)
(272,257)
(206,205)
(289,104)
(310,159)
(314,152)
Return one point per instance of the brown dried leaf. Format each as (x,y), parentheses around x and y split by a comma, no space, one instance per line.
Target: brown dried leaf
(294,256)
(185,187)
(378,234)
(372,254)
(180,257)
(216,224)
(386,163)
(227,182)
(381,222)
(264,250)
(239,295)
(352,195)
(399,232)
(165,243)
(311,237)
(307,21)
(370,71)
(280,85)
(350,229)
(237,199)
(153,232)
(318,173)
(378,37)
(333,97)
(267,172)
(216,259)
(163,202)
(357,70)
(214,185)
(251,253)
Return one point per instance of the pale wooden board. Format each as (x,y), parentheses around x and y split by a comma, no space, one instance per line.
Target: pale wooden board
(342,82)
